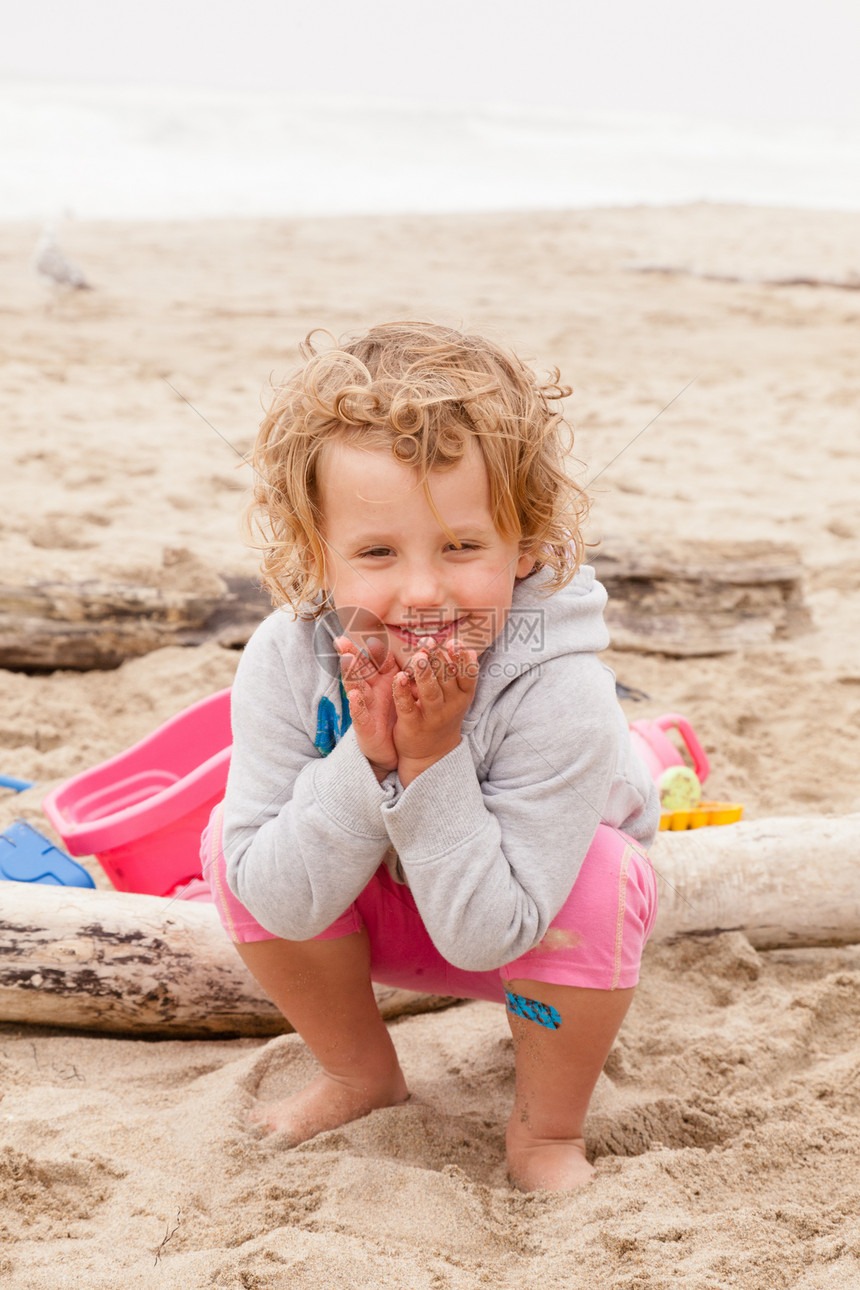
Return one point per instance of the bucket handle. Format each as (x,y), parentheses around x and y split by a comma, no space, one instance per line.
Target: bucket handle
(672,720)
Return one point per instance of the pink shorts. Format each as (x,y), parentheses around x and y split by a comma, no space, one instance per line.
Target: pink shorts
(595,940)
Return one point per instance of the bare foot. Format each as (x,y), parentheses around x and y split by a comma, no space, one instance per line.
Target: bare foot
(547,1164)
(326,1103)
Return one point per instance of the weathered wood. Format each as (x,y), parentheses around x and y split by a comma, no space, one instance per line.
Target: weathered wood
(784,882)
(698,598)
(132,964)
(849,283)
(98,624)
(703,598)
(148,966)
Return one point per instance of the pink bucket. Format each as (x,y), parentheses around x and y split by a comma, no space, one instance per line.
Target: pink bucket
(142,813)
(657,750)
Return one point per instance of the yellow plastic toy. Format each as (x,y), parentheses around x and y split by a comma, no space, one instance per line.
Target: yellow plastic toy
(683,808)
(705,813)
(680,789)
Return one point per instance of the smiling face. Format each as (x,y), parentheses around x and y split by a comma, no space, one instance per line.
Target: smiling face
(390,564)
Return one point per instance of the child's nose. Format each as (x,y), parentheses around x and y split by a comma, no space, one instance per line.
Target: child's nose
(423,589)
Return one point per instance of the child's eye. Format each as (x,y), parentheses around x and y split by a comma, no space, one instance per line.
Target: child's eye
(386,550)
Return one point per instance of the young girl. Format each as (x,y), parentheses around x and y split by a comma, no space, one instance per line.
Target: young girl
(432,783)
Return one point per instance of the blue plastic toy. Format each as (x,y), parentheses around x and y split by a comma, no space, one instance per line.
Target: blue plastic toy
(26,855)
(9,781)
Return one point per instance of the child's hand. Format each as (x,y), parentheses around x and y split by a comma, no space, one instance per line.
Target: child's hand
(367,680)
(431,704)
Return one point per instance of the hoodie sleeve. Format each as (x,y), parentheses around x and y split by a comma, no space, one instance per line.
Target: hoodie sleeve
(303,834)
(491,863)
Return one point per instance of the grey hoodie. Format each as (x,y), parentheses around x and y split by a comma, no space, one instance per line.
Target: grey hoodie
(490,839)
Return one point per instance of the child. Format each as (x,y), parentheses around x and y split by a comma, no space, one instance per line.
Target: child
(432,784)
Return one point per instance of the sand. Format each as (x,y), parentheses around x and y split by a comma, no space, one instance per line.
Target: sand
(725,1128)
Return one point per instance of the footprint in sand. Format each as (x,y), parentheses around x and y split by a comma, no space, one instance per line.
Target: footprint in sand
(62,533)
(280,1069)
(53,1193)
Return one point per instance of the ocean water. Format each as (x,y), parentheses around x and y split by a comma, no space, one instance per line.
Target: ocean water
(115,152)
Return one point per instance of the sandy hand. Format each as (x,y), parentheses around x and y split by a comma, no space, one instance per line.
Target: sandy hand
(367,680)
(431,700)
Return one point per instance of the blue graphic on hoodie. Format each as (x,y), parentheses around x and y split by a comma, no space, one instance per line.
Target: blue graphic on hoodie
(328,730)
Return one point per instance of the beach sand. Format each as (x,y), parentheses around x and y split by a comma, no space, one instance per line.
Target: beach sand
(725,1129)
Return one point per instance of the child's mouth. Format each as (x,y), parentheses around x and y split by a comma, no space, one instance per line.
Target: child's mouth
(425,634)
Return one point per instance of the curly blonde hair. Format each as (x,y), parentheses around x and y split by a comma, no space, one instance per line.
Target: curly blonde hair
(423,391)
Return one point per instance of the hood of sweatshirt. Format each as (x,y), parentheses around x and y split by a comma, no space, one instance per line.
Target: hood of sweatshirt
(541,626)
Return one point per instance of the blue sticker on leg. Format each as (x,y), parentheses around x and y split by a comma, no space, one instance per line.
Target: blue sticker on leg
(543,1013)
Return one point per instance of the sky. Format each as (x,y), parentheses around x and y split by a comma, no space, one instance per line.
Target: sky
(766,60)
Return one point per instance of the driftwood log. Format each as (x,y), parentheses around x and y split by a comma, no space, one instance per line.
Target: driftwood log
(148,966)
(137,965)
(702,598)
(697,598)
(849,283)
(99,623)
(786,882)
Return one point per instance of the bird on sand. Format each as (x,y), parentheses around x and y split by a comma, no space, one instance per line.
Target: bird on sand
(50,263)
